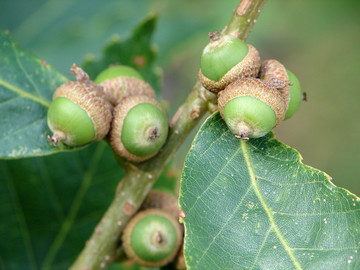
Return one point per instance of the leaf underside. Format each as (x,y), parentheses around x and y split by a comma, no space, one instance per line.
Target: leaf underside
(255,205)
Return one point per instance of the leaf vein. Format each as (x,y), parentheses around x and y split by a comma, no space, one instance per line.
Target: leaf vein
(75,206)
(23,69)
(261,247)
(222,228)
(288,184)
(213,181)
(23,93)
(266,207)
(22,222)
(316,214)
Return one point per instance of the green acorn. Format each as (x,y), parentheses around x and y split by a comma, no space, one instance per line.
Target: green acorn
(273,72)
(226,59)
(295,95)
(152,238)
(120,82)
(139,128)
(251,107)
(79,113)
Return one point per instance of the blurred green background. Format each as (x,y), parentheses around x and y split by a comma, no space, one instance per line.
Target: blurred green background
(318,40)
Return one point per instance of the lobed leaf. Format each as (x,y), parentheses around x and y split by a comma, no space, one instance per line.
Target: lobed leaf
(255,205)
(137,51)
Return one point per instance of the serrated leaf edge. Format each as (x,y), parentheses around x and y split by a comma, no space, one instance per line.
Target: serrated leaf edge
(299,160)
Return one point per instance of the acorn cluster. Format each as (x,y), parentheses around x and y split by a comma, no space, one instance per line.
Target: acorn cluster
(254,96)
(119,103)
(153,237)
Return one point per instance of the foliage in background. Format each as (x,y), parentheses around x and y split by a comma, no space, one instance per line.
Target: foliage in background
(305,132)
(312,38)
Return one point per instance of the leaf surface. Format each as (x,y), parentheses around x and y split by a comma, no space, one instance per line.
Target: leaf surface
(137,51)
(26,87)
(255,205)
(50,205)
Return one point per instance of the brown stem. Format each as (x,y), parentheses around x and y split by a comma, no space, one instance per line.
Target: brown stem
(100,249)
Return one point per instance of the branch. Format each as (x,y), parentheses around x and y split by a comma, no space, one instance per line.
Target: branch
(100,249)
(244,18)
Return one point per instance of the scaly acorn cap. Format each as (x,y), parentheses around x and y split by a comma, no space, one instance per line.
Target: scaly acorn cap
(117,89)
(180,263)
(275,74)
(248,67)
(162,200)
(120,82)
(152,238)
(254,92)
(146,132)
(89,99)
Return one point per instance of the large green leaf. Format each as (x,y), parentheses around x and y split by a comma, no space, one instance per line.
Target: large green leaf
(136,51)
(50,205)
(26,87)
(255,205)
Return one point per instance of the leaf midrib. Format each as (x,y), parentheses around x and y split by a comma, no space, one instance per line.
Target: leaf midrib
(266,207)
(23,93)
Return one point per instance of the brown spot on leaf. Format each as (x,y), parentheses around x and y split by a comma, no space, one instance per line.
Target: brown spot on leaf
(139,60)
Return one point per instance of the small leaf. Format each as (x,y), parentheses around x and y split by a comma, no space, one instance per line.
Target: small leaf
(255,205)
(26,87)
(50,205)
(136,51)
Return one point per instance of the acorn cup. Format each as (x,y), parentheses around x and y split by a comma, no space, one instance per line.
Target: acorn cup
(251,108)
(162,200)
(152,238)
(120,82)
(79,113)
(139,128)
(274,73)
(226,59)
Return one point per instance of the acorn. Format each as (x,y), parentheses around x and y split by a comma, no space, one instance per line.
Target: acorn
(79,113)
(251,107)
(162,200)
(226,59)
(152,238)
(120,82)
(274,73)
(139,128)
(295,95)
